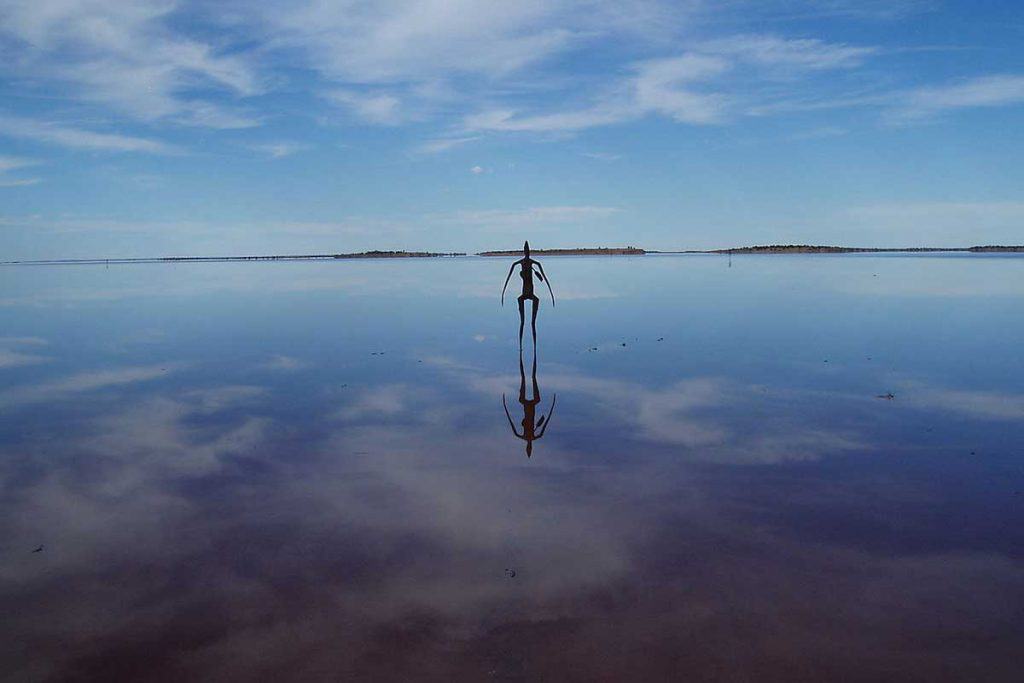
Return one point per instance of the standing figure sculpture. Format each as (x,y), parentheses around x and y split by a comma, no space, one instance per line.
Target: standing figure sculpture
(526,272)
(532,428)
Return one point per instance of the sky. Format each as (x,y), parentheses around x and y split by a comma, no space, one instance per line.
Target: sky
(201,127)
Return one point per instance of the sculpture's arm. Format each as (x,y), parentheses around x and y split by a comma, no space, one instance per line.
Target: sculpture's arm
(545,278)
(510,423)
(509,277)
(551,412)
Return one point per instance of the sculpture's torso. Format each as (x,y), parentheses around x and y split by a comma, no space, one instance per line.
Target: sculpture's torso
(526,272)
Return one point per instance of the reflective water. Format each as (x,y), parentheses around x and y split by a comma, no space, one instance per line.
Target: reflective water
(794,468)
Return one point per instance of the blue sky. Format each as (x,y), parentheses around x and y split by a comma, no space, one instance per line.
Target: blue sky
(158,127)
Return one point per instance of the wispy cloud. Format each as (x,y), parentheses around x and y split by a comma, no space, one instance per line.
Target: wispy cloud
(985,91)
(278,150)
(12,163)
(438,145)
(8,163)
(980,404)
(873,10)
(78,138)
(416,42)
(699,87)
(819,132)
(377,108)
(82,383)
(130,58)
(19,182)
(12,351)
(689,413)
(790,54)
(280,362)
(901,106)
(537,216)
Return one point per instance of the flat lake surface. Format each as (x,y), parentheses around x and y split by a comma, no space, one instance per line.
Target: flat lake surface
(793,468)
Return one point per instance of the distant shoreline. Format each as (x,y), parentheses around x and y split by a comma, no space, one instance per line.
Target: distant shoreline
(588,251)
(824,249)
(217,259)
(761,249)
(582,251)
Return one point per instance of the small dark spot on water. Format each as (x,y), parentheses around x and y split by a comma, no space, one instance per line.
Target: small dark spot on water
(510,573)
(38,550)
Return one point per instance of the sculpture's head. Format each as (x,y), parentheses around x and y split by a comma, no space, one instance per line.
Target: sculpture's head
(526,248)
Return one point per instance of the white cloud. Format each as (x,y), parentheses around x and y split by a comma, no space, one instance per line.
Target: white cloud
(21,182)
(11,163)
(280,362)
(12,354)
(278,150)
(82,383)
(909,106)
(507,121)
(985,405)
(698,87)
(802,54)
(477,170)
(377,108)
(208,401)
(488,64)
(386,401)
(444,144)
(205,115)
(660,86)
(127,56)
(819,132)
(984,91)
(533,216)
(8,163)
(405,41)
(882,10)
(689,413)
(77,138)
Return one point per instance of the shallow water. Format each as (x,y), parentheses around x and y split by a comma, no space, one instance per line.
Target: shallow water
(306,471)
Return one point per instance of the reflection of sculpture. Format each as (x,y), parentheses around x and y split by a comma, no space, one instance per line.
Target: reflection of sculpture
(526,266)
(530,424)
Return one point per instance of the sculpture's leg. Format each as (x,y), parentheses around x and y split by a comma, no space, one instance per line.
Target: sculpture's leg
(522,319)
(533,322)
